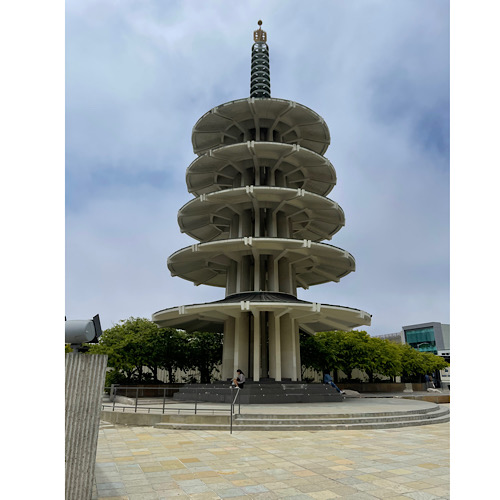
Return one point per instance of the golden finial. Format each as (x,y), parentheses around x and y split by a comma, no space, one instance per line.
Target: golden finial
(259,35)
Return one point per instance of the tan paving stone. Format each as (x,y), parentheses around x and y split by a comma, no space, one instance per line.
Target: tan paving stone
(152,469)
(368,477)
(122,497)
(340,467)
(304,473)
(383,493)
(172,464)
(276,485)
(323,495)
(205,473)
(395,463)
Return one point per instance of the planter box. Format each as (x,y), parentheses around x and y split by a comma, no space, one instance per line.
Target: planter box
(379,386)
(148,391)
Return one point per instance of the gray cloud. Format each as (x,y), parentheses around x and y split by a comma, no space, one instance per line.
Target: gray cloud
(140,74)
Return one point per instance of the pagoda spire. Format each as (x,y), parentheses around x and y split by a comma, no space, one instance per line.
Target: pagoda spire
(260,77)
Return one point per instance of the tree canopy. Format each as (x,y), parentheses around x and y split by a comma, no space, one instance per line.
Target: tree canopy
(346,351)
(136,343)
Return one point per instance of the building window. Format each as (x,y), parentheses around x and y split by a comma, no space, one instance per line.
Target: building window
(422,339)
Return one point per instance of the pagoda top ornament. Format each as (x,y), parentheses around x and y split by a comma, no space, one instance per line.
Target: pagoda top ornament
(259,35)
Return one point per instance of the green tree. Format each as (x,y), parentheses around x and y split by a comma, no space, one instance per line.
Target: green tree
(172,352)
(312,352)
(337,349)
(416,363)
(385,359)
(204,352)
(347,351)
(353,351)
(433,363)
(128,346)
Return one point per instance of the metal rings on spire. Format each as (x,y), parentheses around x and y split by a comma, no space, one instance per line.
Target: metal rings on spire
(260,77)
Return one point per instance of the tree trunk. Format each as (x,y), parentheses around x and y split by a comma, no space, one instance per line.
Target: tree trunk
(204,375)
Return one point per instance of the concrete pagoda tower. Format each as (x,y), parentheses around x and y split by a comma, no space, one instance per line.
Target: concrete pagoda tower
(259,216)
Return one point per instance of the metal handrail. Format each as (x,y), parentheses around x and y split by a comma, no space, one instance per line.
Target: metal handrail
(232,406)
(196,390)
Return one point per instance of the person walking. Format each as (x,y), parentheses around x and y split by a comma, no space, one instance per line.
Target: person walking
(327,379)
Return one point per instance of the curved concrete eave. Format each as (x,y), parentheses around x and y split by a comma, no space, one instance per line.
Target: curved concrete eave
(300,167)
(313,263)
(311,316)
(229,122)
(312,216)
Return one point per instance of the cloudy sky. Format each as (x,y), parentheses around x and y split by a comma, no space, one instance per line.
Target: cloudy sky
(139,74)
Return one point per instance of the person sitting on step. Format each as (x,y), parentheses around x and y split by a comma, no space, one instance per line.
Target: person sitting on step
(239,381)
(327,379)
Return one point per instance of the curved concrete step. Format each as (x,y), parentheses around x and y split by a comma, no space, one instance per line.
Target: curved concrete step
(311,423)
(302,416)
(307,427)
(334,420)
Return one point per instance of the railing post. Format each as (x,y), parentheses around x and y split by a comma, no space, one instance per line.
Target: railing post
(232,406)
(114,397)
(136,398)
(231,413)
(163,410)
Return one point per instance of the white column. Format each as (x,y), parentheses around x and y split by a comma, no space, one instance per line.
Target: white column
(228,349)
(272,345)
(256,273)
(276,353)
(241,344)
(287,354)
(295,351)
(256,346)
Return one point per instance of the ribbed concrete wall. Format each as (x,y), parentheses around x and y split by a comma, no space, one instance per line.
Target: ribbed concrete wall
(85,376)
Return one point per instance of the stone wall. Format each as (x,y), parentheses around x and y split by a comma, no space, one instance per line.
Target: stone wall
(85,375)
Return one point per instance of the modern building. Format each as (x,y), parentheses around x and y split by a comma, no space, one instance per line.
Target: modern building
(429,337)
(259,216)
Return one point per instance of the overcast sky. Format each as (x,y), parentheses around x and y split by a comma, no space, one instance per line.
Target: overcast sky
(140,74)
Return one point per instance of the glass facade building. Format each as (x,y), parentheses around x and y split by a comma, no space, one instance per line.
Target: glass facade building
(422,339)
(428,337)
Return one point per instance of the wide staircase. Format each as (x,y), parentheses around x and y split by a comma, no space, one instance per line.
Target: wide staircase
(313,422)
(260,393)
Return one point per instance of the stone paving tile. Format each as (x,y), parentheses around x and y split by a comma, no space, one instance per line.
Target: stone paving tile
(144,463)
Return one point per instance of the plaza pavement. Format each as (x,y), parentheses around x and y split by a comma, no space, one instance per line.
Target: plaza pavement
(136,463)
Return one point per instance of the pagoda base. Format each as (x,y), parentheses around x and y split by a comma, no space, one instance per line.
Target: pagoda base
(262,392)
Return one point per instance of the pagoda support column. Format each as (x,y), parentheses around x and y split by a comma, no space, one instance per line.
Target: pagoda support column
(275,346)
(228,349)
(241,343)
(288,356)
(256,346)
(296,348)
